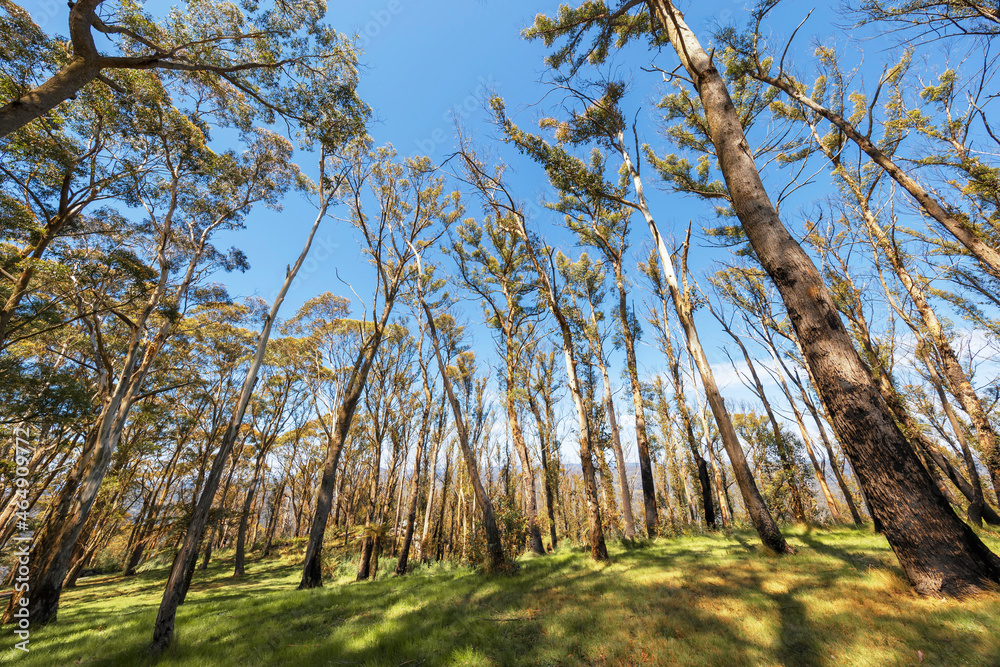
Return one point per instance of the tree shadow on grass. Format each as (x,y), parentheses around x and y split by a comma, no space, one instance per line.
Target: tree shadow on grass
(859,561)
(705,601)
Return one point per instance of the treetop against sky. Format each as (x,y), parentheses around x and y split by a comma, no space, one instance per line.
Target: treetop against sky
(423,71)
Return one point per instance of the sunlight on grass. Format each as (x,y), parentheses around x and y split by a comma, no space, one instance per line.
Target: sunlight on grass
(697,600)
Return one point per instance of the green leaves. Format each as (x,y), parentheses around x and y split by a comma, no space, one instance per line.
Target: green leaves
(590,31)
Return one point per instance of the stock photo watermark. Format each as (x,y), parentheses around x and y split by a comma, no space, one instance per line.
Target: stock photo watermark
(457,112)
(22,538)
(379,21)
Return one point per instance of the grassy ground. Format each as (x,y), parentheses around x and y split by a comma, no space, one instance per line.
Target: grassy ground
(715,600)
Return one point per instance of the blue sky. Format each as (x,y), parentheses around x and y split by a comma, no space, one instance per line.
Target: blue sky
(426,64)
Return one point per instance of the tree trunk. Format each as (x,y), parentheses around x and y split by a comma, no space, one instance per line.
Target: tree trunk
(937,551)
(368,539)
(767,529)
(686,423)
(547,472)
(527,474)
(797,507)
(312,574)
(184,563)
(977,504)
(63,85)
(641,437)
(411,514)
(494,545)
(616,443)
(848,497)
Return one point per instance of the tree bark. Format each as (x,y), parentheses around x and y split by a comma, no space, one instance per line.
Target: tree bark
(494,545)
(616,443)
(938,552)
(176,588)
(641,437)
(527,474)
(767,529)
(547,472)
(312,573)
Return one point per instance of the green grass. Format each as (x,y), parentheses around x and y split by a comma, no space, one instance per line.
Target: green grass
(702,600)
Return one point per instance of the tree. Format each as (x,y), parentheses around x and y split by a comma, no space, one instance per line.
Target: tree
(278,62)
(603,121)
(602,222)
(938,552)
(492,264)
(197,194)
(932,19)
(184,561)
(409,200)
(509,216)
(584,281)
(494,545)
(423,434)
(978,237)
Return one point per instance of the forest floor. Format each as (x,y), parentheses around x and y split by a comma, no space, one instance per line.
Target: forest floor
(696,600)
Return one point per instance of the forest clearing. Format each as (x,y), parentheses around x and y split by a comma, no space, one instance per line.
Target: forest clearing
(629,332)
(691,600)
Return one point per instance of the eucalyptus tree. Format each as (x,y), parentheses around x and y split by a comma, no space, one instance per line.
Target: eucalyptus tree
(437,439)
(193,195)
(275,62)
(678,489)
(276,400)
(446,346)
(543,385)
(586,290)
(409,201)
(744,288)
(848,112)
(603,223)
(879,359)
(387,415)
(220,345)
(603,122)
(182,568)
(493,265)
(938,552)
(860,182)
(54,175)
(664,338)
(509,215)
(931,19)
(46,392)
(191,404)
(423,435)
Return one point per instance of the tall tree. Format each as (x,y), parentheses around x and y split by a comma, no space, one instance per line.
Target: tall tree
(585,285)
(248,59)
(602,121)
(938,552)
(197,194)
(509,215)
(492,264)
(494,543)
(409,201)
(184,561)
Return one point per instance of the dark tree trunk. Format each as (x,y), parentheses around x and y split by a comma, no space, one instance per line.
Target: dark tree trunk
(312,570)
(938,552)
(547,472)
(641,438)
